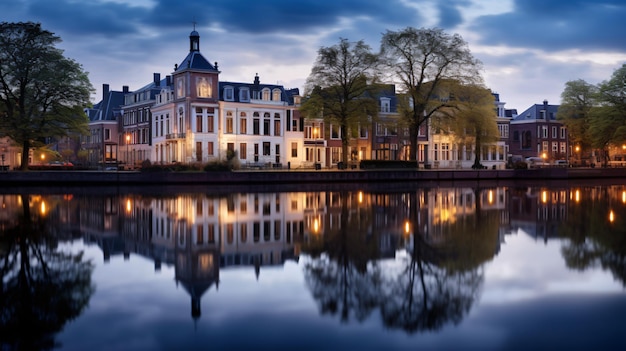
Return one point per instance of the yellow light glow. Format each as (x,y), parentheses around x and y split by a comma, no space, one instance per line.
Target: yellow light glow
(577,196)
(43,157)
(544,155)
(43,208)
(490,197)
(611,216)
(129,206)
(577,148)
(544,196)
(407,227)
(624,197)
(360,197)
(316,225)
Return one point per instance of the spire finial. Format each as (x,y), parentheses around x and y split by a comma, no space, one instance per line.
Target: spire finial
(194,23)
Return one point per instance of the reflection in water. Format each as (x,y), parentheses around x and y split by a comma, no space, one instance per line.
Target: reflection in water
(416,258)
(43,286)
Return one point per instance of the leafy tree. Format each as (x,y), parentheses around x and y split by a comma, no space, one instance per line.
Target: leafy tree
(577,100)
(423,62)
(42,93)
(341,89)
(474,118)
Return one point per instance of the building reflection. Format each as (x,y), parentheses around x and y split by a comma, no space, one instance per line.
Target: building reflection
(200,234)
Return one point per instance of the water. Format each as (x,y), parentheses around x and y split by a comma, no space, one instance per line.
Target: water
(441,268)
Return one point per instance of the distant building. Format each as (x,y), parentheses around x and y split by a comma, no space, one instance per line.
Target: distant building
(537,133)
(102,145)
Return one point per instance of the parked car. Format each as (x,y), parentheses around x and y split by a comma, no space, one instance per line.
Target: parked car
(536,162)
(561,163)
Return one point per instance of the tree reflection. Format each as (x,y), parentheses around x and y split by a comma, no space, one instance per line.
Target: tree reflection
(42,287)
(593,238)
(339,278)
(435,283)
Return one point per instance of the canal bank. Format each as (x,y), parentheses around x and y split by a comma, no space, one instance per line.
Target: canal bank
(285,177)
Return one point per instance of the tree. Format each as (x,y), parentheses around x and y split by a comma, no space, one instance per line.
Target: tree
(341,89)
(423,61)
(577,100)
(42,93)
(474,118)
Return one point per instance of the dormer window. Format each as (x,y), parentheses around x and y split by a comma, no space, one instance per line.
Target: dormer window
(266,94)
(244,94)
(385,105)
(229,93)
(276,95)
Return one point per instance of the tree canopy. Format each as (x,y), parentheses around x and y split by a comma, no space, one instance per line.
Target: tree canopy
(42,93)
(341,88)
(422,62)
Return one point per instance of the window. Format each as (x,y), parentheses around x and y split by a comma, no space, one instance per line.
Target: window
(243,148)
(554,132)
(266,124)
(276,95)
(107,134)
(266,94)
(555,147)
(229,122)
(198,151)
(544,131)
(277,127)
(266,148)
(203,87)
(230,148)
(544,146)
(180,87)
(445,151)
(256,124)
(209,123)
(210,151)
(384,105)
(229,94)
(334,132)
(563,134)
(244,94)
(563,147)
(436,152)
(199,123)
(362,132)
(243,124)
(294,149)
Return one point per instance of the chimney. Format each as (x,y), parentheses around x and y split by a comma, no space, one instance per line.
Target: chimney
(216,65)
(157,79)
(125,89)
(105,91)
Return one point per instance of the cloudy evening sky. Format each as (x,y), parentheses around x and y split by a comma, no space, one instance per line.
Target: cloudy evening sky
(529,48)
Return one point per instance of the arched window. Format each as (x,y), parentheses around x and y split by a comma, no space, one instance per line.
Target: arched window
(276,95)
(266,94)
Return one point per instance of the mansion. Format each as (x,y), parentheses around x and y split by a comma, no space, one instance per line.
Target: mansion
(192,117)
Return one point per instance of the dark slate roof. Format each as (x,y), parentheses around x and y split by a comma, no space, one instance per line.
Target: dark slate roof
(286,94)
(534,112)
(108,109)
(195,61)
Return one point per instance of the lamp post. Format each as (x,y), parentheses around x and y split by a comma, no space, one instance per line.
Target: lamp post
(127,152)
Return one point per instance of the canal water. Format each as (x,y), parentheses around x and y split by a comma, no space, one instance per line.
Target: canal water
(437,268)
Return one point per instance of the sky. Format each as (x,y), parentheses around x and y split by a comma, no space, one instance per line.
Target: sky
(529,49)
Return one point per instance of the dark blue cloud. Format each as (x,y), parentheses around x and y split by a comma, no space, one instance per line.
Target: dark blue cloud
(259,17)
(558,25)
(86,18)
(450,13)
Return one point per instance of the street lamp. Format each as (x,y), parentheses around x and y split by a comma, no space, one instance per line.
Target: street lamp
(127,152)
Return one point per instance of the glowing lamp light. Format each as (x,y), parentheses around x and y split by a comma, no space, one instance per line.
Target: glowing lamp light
(611,216)
(407,227)
(316,225)
(490,197)
(360,197)
(544,196)
(43,208)
(129,206)
(577,196)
